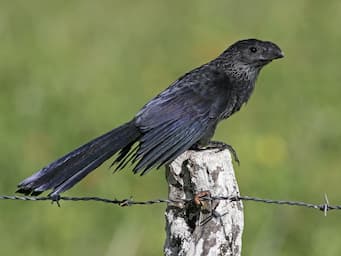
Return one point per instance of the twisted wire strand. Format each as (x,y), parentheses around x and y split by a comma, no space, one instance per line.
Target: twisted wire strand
(325,206)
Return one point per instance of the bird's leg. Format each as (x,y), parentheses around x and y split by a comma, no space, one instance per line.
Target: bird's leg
(220,146)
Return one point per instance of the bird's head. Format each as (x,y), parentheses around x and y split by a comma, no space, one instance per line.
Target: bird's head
(253,52)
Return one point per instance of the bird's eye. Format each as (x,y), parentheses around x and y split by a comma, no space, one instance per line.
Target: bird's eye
(253,49)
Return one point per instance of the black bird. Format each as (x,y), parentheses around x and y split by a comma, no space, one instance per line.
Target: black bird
(183,116)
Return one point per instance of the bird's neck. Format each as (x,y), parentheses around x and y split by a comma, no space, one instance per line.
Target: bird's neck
(238,72)
(242,76)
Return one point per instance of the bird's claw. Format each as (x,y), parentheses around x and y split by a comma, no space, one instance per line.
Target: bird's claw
(220,146)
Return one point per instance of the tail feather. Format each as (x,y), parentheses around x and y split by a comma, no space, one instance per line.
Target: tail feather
(65,172)
(79,175)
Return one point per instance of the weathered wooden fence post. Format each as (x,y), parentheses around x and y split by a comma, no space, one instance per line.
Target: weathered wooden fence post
(216,227)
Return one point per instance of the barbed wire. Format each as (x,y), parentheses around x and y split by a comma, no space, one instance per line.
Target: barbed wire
(325,206)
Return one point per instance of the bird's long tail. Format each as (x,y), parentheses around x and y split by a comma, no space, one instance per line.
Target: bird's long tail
(65,172)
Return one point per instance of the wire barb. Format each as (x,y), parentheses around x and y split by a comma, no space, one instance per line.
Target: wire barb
(325,207)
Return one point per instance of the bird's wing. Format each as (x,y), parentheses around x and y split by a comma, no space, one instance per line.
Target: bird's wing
(178,117)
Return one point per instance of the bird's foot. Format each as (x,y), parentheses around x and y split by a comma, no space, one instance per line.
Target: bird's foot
(220,146)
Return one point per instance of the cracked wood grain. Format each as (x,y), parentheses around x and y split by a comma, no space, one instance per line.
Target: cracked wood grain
(214,228)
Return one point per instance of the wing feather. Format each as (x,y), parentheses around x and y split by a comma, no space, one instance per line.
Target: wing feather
(178,118)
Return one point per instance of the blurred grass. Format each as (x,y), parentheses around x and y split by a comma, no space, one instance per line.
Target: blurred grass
(71,70)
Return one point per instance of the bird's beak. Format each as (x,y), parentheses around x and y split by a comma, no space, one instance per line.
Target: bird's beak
(273,55)
(279,55)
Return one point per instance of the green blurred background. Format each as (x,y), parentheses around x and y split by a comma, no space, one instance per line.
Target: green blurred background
(71,70)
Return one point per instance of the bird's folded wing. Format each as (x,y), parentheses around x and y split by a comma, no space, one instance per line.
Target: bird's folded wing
(178,117)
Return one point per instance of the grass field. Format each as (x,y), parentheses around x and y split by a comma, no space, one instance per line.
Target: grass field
(71,70)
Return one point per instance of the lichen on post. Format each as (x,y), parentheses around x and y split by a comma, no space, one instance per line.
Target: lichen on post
(212,227)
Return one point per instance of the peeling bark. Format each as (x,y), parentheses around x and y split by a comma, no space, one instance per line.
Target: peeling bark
(214,228)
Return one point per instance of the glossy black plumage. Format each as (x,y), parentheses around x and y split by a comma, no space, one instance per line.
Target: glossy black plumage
(184,115)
